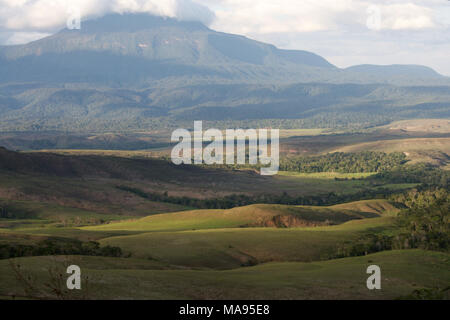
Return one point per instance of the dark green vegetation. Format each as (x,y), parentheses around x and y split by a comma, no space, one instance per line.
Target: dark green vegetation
(58,246)
(417,173)
(161,73)
(235,200)
(368,161)
(423,223)
(426,222)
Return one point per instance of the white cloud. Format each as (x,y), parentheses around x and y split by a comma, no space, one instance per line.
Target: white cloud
(406,16)
(50,15)
(269,16)
(238,16)
(11,38)
(264,16)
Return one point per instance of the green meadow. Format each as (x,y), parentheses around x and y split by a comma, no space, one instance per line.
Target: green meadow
(254,215)
(115,278)
(223,254)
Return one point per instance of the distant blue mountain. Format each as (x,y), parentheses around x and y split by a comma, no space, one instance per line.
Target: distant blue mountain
(123,71)
(395,70)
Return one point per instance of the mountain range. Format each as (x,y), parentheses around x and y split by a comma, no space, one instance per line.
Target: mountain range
(136,71)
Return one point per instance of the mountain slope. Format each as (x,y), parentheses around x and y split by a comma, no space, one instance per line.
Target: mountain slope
(147,48)
(136,49)
(135,71)
(394,70)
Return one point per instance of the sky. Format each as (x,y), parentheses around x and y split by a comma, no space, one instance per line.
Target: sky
(345,32)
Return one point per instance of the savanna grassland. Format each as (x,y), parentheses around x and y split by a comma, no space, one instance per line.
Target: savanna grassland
(142,228)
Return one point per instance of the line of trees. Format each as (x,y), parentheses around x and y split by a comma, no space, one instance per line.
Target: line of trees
(424,173)
(58,247)
(368,161)
(238,200)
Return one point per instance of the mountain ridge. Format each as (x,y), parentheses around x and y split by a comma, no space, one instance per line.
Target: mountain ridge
(131,39)
(161,41)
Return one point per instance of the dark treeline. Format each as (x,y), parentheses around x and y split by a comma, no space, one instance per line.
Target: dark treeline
(9,212)
(232,201)
(350,121)
(327,120)
(58,247)
(421,197)
(368,161)
(341,162)
(418,173)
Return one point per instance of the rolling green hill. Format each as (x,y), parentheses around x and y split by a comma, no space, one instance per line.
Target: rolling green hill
(234,247)
(255,216)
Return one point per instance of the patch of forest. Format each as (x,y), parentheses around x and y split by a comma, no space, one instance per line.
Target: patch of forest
(368,161)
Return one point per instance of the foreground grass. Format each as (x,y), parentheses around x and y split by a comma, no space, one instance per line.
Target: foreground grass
(402,272)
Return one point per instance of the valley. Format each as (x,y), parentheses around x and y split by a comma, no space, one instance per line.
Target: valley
(295,235)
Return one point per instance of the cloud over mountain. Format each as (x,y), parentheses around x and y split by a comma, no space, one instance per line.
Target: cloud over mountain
(346,32)
(51,15)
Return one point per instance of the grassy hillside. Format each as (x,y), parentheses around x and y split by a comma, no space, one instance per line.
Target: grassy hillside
(382,207)
(235,247)
(421,125)
(91,181)
(19,213)
(402,272)
(254,215)
(404,145)
(221,238)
